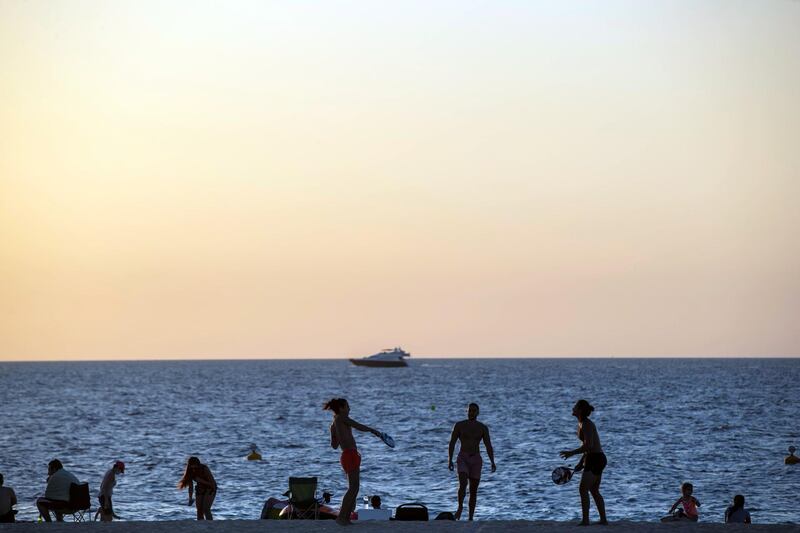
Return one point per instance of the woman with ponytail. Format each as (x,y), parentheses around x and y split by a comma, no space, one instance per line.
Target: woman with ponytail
(592,463)
(342,437)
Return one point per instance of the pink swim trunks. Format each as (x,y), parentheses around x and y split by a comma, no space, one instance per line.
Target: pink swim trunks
(470,464)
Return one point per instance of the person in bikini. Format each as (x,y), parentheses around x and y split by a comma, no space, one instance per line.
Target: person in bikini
(592,463)
(342,437)
(470,432)
(685,507)
(199,474)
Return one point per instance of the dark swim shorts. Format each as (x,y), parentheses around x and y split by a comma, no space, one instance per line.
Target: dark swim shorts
(595,463)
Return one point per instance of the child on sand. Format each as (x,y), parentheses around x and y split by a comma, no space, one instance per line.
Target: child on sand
(736,513)
(688,506)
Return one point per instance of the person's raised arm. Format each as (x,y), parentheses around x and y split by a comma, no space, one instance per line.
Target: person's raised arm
(487,441)
(361,427)
(453,438)
(334,440)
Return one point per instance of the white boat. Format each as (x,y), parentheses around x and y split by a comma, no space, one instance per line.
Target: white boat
(385,358)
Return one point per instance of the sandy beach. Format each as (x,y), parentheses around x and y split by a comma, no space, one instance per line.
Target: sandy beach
(298,526)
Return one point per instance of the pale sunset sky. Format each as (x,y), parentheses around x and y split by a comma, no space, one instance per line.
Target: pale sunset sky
(189,179)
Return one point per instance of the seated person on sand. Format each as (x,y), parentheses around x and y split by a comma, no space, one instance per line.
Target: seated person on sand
(791,459)
(736,513)
(688,506)
(56,495)
(7,502)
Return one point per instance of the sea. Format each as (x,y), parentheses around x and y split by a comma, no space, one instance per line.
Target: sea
(722,424)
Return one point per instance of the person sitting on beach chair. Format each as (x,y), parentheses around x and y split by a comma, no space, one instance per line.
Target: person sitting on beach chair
(57,494)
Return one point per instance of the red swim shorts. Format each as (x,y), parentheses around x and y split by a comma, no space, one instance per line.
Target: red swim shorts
(470,464)
(351,460)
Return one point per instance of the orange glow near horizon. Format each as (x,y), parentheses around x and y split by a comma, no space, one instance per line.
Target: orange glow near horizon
(195,180)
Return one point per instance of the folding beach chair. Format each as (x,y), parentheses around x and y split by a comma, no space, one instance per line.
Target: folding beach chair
(302,498)
(79,502)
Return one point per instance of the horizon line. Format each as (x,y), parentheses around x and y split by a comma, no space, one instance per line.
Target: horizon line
(346,358)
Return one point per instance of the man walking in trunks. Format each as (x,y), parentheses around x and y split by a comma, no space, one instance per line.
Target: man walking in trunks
(470,432)
(342,437)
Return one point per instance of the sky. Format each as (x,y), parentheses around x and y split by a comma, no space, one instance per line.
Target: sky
(191,179)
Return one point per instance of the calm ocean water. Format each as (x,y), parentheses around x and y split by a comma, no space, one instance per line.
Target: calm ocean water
(722,424)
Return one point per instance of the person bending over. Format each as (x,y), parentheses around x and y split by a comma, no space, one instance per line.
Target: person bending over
(106,510)
(200,475)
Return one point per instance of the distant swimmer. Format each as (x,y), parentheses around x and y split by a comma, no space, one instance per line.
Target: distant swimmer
(342,437)
(253,455)
(205,491)
(469,463)
(106,509)
(592,463)
(791,459)
(685,507)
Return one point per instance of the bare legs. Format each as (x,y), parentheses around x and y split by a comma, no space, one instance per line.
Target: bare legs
(45,506)
(462,491)
(203,503)
(349,499)
(590,484)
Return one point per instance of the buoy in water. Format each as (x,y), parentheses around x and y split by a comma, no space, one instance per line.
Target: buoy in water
(253,455)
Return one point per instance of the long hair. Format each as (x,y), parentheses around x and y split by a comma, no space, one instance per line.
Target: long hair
(187,479)
(738,503)
(334,404)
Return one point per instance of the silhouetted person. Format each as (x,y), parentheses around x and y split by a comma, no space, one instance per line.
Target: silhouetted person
(106,510)
(592,463)
(736,513)
(342,437)
(56,495)
(685,507)
(375,501)
(205,491)
(469,463)
(7,502)
(791,459)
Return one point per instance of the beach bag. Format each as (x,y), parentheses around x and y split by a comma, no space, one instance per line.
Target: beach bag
(445,515)
(411,511)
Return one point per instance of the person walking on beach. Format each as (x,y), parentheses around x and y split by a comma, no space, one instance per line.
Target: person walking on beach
(592,463)
(469,463)
(106,510)
(342,437)
(8,499)
(56,495)
(199,474)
